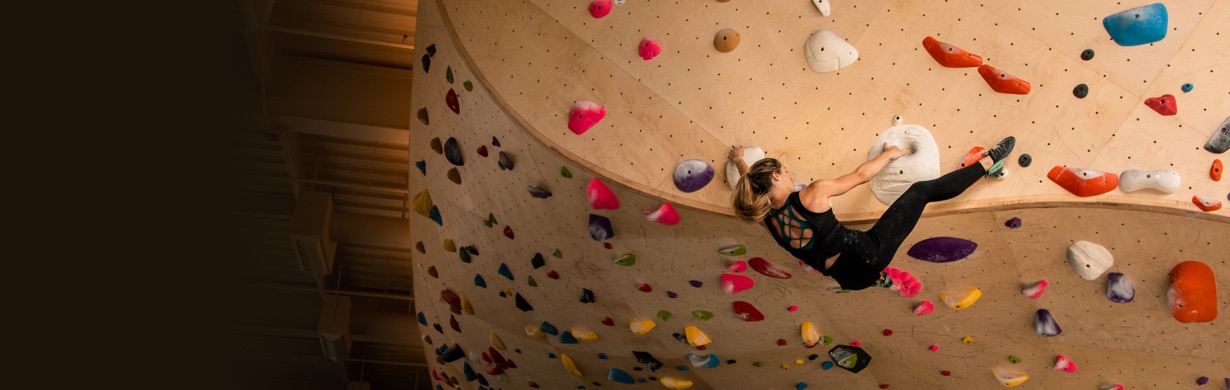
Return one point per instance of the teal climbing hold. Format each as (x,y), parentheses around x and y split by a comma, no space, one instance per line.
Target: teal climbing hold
(621,376)
(601,355)
(479,281)
(547,328)
(800,386)
(422,319)
(567,338)
(826,365)
(1138,26)
(468,372)
(422,165)
(505,271)
(1187,87)
(435,216)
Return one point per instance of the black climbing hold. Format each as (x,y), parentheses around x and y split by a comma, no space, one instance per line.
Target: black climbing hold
(680,337)
(600,228)
(1025,160)
(522,304)
(731,361)
(812,356)
(453,153)
(495,142)
(432,271)
(587,296)
(646,358)
(431,49)
(539,193)
(505,161)
(422,115)
(426,63)
(853,359)
(422,319)
(1087,54)
(465,254)
(538,261)
(452,353)
(1081,91)
(438,328)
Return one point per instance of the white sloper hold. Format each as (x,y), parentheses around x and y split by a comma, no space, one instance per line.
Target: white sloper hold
(899,174)
(827,52)
(822,6)
(751,155)
(1164,180)
(1089,260)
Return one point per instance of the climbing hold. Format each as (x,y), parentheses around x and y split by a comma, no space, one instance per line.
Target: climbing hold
(1008,378)
(451,101)
(452,153)
(1215,170)
(945,373)
(726,40)
(557,254)
(1192,293)
(942,249)
(454,176)
(522,304)
(584,115)
(904,283)
(567,338)
(1137,26)
(419,246)
(599,9)
(448,74)
(422,203)
(888,332)
(950,56)
(1165,104)
(649,49)
(1220,141)
(547,328)
(568,363)
(626,259)
(1013,223)
(496,341)
(1024,160)
(490,222)
(800,386)
(923,307)
(530,280)
(961,299)
(426,63)
(465,252)
(665,214)
(751,154)
(452,323)
(709,361)
(1014,359)
(792,308)
(765,268)
(452,353)
(1087,54)
(702,315)
(608,321)
(586,296)
(696,283)
(537,261)
(1064,364)
(449,246)
(479,281)
(823,7)
(563,171)
(738,266)
(422,166)
(600,228)
(1003,82)
(600,196)
(436,145)
(647,359)
(856,343)
(644,287)
(1119,288)
(826,365)
(696,338)
(505,161)
(468,85)
(1202,380)
(782,342)
(692,175)
(671,294)
(1083,182)
(933,348)
(422,115)
(664,315)
(1187,87)
(1045,325)
(811,336)
(900,174)
(505,271)
(432,271)
(1089,260)
(1164,180)
(678,384)
(734,250)
(734,284)
(851,358)
(1035,290)
(827,52)
(617,375)
(642,327)
(1080,91)
(552,274)
(745,311)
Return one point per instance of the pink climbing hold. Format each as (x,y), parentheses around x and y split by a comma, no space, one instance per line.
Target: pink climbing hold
(904,283)
(584,115)
(765,268)
(600,196)
(737,267)
(856,343)
(1034,291)
(600,8)
(665,214)
(649,49)
(1111,387)
(792,308)
(1063,364)
(933,348)
(734,284)
(923,307)
(1165,104)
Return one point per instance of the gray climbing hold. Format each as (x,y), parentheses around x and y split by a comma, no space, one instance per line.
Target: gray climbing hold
(1220,141)
(505,161)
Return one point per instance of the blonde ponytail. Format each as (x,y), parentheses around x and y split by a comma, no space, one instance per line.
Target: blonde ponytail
(751,199)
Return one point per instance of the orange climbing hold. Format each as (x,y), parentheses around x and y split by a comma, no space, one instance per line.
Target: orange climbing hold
(974,155)
(1003,82)
(1192,293)
(1215,170)
(1083,182)
(1206,204)
(950,56)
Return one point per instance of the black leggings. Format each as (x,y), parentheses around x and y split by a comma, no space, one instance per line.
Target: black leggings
(859,265)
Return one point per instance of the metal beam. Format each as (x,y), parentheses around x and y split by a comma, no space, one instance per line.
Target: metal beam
(317,34)
(401,297)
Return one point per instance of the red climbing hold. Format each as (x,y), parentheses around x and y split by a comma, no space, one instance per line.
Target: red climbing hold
(644,287)
(608,321)
(933,348)
(792,308)
(856,343)
(745,311)
(600,8)
(553,275)
(765,268)
(1083,182)
(600,196)
(482,150)
(884,386)
(946,373)
(888,332)
(649,49)
(734,284)
(1165,104)
(950,56)
(508,232)
(1215,170)
(584,115)
(451,101)
(452,322)
(781,342)
(1003,82)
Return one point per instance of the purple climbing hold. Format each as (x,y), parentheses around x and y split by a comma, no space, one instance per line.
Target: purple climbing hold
(452,152)
(495,142)
(692,175)
(505,161)
(1013,223)
(671,294)
(696,283)
(1119,289)
(1202,380)
(1045,325)
(600,228)
(942,249)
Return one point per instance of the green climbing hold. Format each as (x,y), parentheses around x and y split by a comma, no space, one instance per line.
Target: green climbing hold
(842,291)
(532,282)
(664,315)
(758,364)
(557,254)
(626,260)
(490,220)
(702,315)
(448,74)
(468,85)
(1014,359)
(563,171)
(736,250)
(826,340)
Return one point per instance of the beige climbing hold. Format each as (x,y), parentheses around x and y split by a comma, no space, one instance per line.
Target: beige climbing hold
(642,327)
(961,299)
(569,365)
(751,155)
(496,341)
(672,383)
(726,40)
(827,52)
(1089,260)
(1165,180)
(584,334)
(695,337)
(896,177)
(811,336)
(535,332)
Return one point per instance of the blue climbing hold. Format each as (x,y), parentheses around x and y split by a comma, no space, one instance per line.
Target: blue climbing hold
(621,376)
(479,281)
(826,365)
(505,271)
(422,164)
(468,372)
(1187,87)
(547,328)
(1138,26)
(682,368)
(434,214)
(801,386)
(601,355)
(422,319)
(567,338)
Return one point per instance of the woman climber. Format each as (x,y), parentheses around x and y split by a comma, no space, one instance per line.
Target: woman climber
(803,223)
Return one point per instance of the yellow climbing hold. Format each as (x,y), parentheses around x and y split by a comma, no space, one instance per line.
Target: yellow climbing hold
(1008,378)
(584,334)
(642,327)
(449,245)
(465,306)
(811,336)
(422,204)
(496,342)
(798,362)
(785,366)
(534,332)
(695,337)
(968,340)
(569,365)
(672,383)
(958,300)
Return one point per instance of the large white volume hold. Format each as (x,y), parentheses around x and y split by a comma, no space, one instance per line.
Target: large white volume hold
(826,51)
(922,164)
(1161,180)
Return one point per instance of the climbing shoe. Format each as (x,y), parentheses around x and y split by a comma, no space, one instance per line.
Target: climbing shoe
(997,170)
(1002,150)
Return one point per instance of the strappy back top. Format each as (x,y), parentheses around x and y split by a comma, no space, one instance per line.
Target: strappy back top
(819,236)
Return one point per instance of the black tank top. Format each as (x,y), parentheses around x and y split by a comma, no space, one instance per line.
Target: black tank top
(829,236)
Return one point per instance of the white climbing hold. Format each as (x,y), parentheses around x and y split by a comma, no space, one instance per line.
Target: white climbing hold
(823,6)
(899,174)
(826,51)
(1089,260)
(751,155)
(1165,180)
